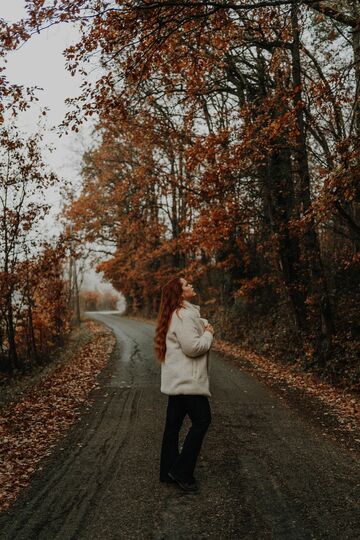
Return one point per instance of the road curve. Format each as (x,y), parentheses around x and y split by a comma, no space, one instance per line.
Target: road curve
(263,472)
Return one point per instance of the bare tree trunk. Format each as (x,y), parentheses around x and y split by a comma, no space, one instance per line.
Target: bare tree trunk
(32,339)
(278,193)
(278,190)
(12,354)
(76,295)
(324,326)
(355,205)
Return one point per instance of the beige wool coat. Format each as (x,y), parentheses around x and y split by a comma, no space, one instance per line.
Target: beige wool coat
(186,366)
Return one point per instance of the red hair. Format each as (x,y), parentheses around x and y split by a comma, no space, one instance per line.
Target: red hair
(171,299)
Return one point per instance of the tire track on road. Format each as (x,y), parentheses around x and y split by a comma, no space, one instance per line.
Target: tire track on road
(264,472)
(70,492)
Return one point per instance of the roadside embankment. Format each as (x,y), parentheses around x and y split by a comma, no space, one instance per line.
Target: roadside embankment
(336,409)
(37,410)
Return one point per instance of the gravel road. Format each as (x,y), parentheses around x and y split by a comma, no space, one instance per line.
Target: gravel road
(264,471)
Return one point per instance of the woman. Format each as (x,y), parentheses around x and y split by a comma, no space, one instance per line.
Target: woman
(182,343)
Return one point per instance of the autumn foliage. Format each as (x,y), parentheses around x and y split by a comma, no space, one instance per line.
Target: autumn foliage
(227,144)
(34,313)
(91,300)
(31,426)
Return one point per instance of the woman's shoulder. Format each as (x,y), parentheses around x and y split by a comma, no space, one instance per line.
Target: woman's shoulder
(184,313)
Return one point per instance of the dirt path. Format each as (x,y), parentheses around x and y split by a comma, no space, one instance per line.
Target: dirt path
(264,471)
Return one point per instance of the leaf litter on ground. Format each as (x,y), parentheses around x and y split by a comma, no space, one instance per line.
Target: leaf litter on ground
(343,404)
(32,425)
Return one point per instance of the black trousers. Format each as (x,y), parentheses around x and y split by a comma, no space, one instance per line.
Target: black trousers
(183,464)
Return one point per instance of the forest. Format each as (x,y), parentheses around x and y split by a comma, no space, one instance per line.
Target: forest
(226,148)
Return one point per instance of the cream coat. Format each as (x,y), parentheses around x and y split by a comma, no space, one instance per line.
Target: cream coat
(186,366)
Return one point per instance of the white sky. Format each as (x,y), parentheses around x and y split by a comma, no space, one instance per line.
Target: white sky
(40,62)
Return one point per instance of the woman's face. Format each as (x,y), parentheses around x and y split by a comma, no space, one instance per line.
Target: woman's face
(188,291)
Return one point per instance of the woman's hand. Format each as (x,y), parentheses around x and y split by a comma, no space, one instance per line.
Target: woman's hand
(209,328)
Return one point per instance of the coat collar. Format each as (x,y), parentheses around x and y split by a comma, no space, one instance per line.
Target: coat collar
(189,305)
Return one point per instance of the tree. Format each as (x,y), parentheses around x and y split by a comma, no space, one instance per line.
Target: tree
(23,180)
(228,139)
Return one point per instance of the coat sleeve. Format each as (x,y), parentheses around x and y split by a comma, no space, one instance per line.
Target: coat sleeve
(192,343)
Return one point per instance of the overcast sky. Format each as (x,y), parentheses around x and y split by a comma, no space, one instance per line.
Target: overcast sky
(40,62)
